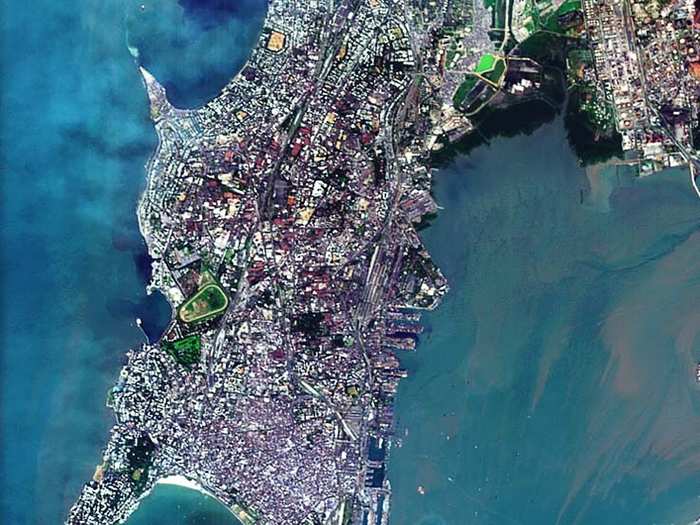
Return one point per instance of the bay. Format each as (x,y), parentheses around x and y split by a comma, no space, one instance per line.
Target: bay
(555,384)
(193,47)
(171,504)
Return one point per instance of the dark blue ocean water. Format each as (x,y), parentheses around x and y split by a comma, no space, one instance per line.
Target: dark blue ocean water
(194,47)
(74,139)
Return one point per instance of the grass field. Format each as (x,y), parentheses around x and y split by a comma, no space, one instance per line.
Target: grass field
(486,63)
(492,68)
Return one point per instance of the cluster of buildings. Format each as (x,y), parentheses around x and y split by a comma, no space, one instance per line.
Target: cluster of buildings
(645,63)
(635,65)
(295,194)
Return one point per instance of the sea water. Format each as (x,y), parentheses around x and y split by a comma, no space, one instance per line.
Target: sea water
(173,505)
(74,139)
(556,383)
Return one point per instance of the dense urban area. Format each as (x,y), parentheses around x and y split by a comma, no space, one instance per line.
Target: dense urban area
(282,221)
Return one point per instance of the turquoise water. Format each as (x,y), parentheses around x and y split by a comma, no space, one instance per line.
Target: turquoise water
(556,382)
(169,504)
(74,138)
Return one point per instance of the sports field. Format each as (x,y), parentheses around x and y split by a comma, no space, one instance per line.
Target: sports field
(208,302)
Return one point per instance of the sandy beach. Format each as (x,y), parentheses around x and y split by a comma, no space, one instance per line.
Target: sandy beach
(182,481)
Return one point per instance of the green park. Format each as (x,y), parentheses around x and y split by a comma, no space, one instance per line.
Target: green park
(185,351)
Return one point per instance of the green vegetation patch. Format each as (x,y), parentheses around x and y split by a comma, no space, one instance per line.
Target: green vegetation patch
(450,56)
(579,58)
(497,72)
(545,48)
(564,18)
(139,457)
(486,63)
(544,17)
(569,6)
(491,67)
(590,145)
(207,303)
(185,351)
(464,89)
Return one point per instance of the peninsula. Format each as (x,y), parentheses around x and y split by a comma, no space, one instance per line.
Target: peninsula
(281,220)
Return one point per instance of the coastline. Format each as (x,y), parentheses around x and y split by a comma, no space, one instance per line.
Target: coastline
(450,443)
(151,86)
(174,113)
(191,484)
(182,481)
